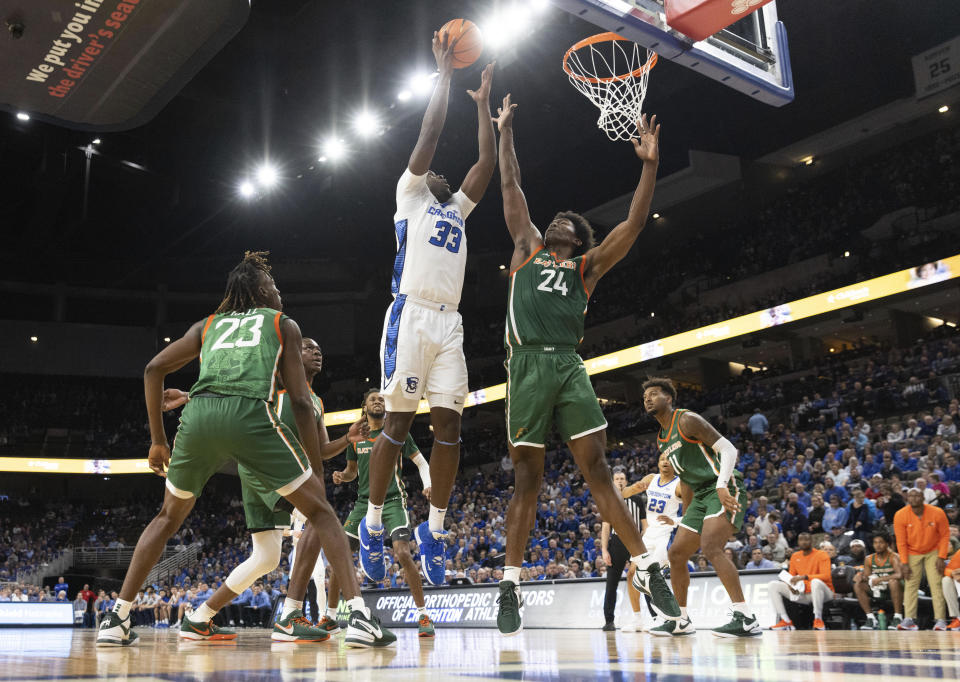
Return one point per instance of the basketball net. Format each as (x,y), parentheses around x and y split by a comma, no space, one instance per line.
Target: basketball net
(611,72)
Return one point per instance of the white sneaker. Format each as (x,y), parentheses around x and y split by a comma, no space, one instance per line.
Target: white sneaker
(633,624)
(654,623)
(115,632)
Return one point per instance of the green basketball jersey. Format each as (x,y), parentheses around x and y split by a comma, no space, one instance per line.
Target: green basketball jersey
(286,412)
(695,463)
(240,353)
(547,302)
(883,569)
(360,453)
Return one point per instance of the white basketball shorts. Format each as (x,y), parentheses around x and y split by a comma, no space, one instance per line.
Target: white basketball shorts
(421,354)
(656,539)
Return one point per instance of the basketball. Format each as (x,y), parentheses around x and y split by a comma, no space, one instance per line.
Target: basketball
(470,43)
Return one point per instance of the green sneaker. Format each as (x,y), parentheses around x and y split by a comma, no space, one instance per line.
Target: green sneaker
(329,624)
(364,631)
(425,627)
(208,631)
(895,623)
(296,628)
(651,583)
(740,625)
(116,632)
(673,628)
(509,620)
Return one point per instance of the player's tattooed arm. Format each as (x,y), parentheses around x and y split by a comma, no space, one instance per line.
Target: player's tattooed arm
(478,178)
(618,243)
(436,114)
(526,237)
(169,360)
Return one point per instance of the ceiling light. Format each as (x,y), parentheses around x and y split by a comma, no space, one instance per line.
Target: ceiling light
(807,160)
(334,149)
(34,339)
(656,216)
(422,84)
(267,176)
(96,140)
(166,339)
(404,95)
(247,189)
(846,254)
(23,116)
(502,28)
(366,124)
(944,109)
(503,267)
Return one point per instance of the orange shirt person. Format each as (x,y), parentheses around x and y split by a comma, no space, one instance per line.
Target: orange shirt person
(812,566)
(923,542)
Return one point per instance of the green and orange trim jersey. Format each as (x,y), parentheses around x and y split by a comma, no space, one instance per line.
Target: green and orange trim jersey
(695,463)
(240,354)
(285,412)
(547,302)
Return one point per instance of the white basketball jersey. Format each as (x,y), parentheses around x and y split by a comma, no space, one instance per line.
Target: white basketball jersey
(431,242)
(662,500)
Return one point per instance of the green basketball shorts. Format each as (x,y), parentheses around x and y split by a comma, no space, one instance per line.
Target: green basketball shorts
(395,519)
(547,384)
(263,511)
(216,429)
(706,505)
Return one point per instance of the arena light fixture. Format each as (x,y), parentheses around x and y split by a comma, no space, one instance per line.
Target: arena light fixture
(247,189)
(367,124)
(23,116)
(944,109)
(503,267)
(97,140)
(404,95)
(267,176)
(334,149)
(807,160)
(846,254)
(166,339)
(34,339)
(656,216)
(504,27)
(422,83)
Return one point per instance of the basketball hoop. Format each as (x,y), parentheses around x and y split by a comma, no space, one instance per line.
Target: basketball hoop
(611,72)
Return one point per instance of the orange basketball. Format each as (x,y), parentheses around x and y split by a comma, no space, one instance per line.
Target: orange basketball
(470,43)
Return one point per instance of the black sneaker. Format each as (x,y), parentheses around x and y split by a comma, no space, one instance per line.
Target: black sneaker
(116,632)
(609,627)
(364,631)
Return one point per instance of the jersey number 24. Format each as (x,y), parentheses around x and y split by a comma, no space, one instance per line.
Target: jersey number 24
(447,236)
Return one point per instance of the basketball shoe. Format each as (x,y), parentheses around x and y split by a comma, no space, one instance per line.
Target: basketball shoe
(425,627)
(740,625)
(329,624)
(364,631)
(432,557)
(509,620)
(673,628)
(371,552)
(116,632)
(650,582)
(296,628)
(208,631)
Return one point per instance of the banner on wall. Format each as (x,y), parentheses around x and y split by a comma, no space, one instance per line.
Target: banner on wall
(562,604)
(17,614)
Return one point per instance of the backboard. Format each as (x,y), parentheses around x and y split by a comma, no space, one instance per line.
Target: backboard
(751,55)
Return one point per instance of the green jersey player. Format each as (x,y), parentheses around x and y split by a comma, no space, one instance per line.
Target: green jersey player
(232,415)
(713,506)
(551,277)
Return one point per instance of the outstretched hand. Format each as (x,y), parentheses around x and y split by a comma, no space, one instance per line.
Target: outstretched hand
(482,94)
(647,146)
(504,117)
(443,49)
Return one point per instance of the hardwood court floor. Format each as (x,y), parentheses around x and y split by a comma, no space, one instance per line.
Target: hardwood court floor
(473,655)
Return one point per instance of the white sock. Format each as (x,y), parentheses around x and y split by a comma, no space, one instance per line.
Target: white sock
(642,561)
(373,516)
(289,606)
(741,607)
(436,519)
(202,614)
(872,617)
(332,613)
(683,612)
(511,574)
(122,608)
(422,611)
(356,604)
(897,615)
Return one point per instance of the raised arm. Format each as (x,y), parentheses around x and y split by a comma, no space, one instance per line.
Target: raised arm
(436,113)
(526,237)
(170,359)
(478,178)
(298,392)
(617,244)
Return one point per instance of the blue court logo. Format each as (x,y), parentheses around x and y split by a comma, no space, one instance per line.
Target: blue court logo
(412,383)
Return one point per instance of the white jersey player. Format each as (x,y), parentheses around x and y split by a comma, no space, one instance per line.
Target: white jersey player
(422,342)
(663,509)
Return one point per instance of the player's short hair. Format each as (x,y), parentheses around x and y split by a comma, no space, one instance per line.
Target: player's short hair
(619,470)
(883,535)
(664,384)
(363,403)
(243,283)
(583,230)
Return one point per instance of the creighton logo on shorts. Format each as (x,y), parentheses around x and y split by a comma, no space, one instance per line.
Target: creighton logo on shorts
(412,383)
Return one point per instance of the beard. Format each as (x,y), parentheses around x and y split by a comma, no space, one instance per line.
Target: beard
(377,415)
